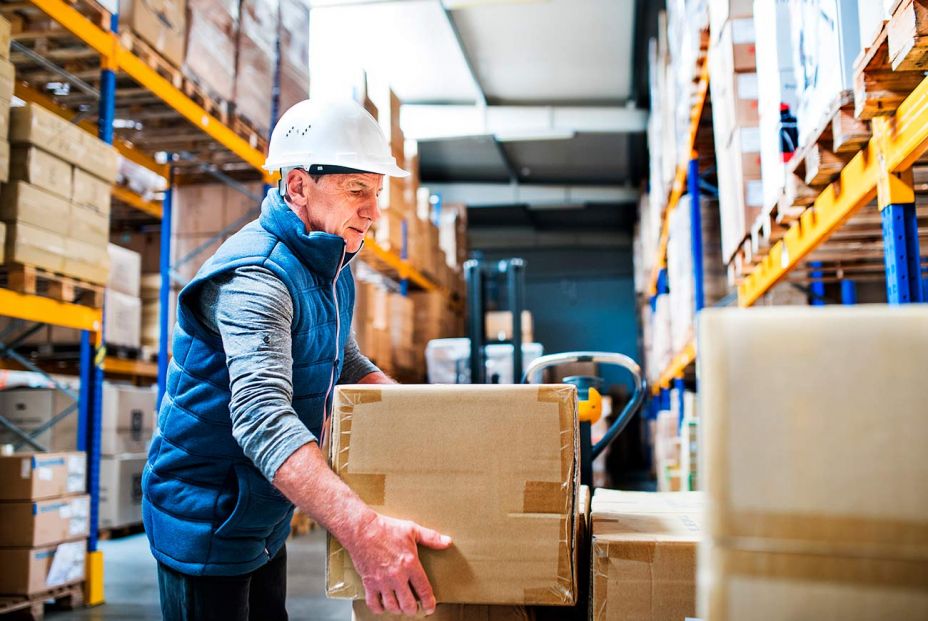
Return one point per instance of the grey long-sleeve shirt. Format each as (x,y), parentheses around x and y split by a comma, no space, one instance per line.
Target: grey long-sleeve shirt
(251,309)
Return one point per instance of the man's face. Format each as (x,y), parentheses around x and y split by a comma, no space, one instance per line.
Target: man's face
(343,205)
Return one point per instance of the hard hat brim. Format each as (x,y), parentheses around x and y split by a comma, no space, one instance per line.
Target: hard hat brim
(388,169)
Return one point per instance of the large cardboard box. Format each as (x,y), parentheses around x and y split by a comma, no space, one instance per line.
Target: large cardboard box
(91,191)
(32,476)
(294,53)
(453,612)
(32,124)
(122,323)
(33,570)
(498,326)
(644,555)
(771,586)
(782,472)
(4,38)
(86,261)
(32,245)
(44,522)
(7,77)
(162,24)
(256,60)
(502,483)
(2,243)
(42,170)
(121,489)
(125,270)
(4,153)
(24,203)
(89,226)
(209,58)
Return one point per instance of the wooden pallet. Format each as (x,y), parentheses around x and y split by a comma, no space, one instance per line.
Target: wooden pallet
(889,69)
(33,280)
(118,532)
(152,58)
(32,607)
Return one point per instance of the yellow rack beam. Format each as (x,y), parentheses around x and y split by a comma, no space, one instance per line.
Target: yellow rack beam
(402,267)
(140,368)
(899,140)
(676,368)
(679,180)
(46,310)
(132,199)
(116,56)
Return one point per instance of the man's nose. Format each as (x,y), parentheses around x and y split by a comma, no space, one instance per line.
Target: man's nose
(370,209)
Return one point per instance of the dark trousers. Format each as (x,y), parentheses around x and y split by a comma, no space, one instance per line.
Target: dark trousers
(260,595)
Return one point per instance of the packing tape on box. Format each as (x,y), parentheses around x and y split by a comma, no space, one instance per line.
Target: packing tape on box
(562,592)
(822,533)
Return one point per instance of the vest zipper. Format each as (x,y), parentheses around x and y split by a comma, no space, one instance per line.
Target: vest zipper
(338,328)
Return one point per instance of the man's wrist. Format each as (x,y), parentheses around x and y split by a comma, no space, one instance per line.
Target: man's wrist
(354,526)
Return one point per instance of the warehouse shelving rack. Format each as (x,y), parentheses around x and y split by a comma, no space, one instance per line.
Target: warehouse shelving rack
(882,169)
(219,146)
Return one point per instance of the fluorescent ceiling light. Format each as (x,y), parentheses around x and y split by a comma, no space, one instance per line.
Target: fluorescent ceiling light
(468,4)
(545,134)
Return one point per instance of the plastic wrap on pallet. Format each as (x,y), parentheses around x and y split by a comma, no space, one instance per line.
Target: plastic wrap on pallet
(775,63)
(256,61)
(825,45)
(294,53)
(140,180)
(212,31)
(680,275)
(661,352)
(870,17)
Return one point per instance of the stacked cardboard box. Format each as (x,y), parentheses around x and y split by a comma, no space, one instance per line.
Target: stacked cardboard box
(294,53)
(151,312)
(644,555)
(161,24)
(123,322)
(46,518)
(517,545)
(810,516)
(121,489)
(734,84)
(58,202)
(7,75)
(256,61)
(498,326)
(212,32)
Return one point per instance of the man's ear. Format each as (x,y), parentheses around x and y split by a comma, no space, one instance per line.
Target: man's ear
(296,179)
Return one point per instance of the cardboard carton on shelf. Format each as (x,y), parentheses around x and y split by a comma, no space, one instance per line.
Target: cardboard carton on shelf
(212,28)
(24,203)
(86,261)
(162,24)
(42,170)
(514,546)
(33,570)
(92,192)
(33,523)
(5,32)
(31,245)
(125,270)
(121,489)
(7,77)
(89,226)
(33,476)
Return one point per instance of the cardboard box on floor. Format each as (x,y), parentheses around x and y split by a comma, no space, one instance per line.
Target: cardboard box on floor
(33,570)
(782,472)
(644,555)
(33,476)
(44,522)
(494,467)
(499,326)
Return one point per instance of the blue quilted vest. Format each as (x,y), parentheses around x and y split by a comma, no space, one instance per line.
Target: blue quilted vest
(207,509)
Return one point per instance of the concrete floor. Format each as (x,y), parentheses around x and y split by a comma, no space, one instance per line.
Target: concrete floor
(131,583)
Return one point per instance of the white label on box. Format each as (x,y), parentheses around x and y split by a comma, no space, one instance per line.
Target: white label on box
(76,473)
(44,474)
(64,511)
(80,514)
(26,469)
(68,564)
(742,31)
(754,193)
(747,86)
(750,139)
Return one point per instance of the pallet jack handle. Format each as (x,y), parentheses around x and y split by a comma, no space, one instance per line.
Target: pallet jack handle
(615,359)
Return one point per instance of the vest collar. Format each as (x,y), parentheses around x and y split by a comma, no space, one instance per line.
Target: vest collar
(319,252)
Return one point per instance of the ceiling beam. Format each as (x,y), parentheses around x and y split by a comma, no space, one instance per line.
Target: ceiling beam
(534,195)
(511,123)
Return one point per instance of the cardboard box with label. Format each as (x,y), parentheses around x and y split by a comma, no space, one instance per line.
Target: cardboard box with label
(644,555)
(33,570)
(499,326)
(33,476)
(515,544)
(123,321)
(44,522)
(121,489)
(125,270)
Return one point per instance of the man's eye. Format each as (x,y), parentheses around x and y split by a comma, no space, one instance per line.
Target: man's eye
(357,192)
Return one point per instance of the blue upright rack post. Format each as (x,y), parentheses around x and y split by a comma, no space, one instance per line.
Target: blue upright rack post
(679,385)
(901,254)
(848,292)
(696,232)
(164,293)
(817,288)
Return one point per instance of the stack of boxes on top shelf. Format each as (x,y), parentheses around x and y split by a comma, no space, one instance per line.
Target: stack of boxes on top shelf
(675,434)
(256,61)
(807,518)
(734,84)
(7,76)
(127,423)
(57,202)
(294,53)
(46,519)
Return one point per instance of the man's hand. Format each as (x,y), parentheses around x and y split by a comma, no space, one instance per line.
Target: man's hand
(383,549)
(385,555)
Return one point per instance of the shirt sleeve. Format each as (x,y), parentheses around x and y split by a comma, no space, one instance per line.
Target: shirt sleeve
(251,309)
(356,364)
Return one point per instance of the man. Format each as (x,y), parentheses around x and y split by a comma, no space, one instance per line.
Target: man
(262,336)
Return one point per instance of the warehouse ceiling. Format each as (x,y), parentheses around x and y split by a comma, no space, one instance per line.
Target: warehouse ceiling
(507,92)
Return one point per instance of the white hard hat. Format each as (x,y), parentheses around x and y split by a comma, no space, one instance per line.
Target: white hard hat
(330,136)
